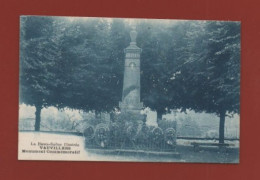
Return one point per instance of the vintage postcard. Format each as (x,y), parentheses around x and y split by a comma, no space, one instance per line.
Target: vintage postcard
(118,89)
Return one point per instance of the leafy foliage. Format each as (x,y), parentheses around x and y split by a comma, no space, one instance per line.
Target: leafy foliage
(79,64)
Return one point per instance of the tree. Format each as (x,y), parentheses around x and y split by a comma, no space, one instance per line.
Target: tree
(223,68)
(92,64)
(155,41)
(92,76)
(210,75)
(76,64)
(38,51)
(191,65)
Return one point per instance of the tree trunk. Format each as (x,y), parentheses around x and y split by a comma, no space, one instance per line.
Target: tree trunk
(159,116)
(222,127)
(38,118)
(112,116)
(97,115)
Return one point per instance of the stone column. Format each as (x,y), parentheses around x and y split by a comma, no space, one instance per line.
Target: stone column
(131,85)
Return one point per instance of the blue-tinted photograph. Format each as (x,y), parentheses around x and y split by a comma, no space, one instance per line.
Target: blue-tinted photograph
(124,89)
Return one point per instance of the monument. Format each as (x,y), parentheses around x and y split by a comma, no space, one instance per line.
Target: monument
(128,132)
(131,85)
